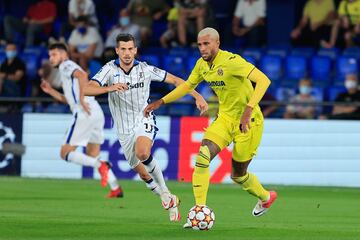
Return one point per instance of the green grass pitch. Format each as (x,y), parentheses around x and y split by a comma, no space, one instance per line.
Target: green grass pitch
(77,209)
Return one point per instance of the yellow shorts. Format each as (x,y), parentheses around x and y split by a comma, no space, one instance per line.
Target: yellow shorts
(224,130)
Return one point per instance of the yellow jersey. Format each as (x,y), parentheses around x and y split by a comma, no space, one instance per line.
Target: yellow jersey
(350,9)
(228,77)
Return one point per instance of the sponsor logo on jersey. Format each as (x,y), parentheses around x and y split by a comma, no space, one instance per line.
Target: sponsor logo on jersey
(217,84)
(136,85)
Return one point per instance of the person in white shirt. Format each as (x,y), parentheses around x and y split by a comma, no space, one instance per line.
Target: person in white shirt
(124,26)
(85,43)
(86,129)
(77,8)
(249,21)
(136,133)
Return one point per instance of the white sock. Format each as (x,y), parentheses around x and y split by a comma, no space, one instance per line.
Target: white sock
(82,159)
(153,186)
(155,172)
(112,181)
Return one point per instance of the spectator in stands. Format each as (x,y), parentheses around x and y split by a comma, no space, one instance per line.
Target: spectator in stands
(315,24)
(124,26)
(347,26)
(304,96)
(77,8)
(12,74)
(85,43)
(249,22)
(190,10)
(268,109)
(352,95)
(144,12)
(38,19)
(170,35)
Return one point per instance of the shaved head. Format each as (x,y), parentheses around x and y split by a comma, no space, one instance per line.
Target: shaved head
(211,32)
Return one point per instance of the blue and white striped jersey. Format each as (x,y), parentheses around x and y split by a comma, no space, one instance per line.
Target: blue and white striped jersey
(127,107)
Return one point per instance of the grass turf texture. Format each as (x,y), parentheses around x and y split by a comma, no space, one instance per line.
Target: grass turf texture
(77,209)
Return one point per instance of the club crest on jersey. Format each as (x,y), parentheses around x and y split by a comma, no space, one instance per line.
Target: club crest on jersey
(136,85)
(220,72)
(141,75)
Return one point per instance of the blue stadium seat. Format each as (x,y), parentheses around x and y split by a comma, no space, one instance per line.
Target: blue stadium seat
(151,59)
(94,67)
(344,66)
(179,52)
(295,68)
(284,93)
(332,53)
(353,52)
(254,52)
(175,65)
(2,57)
(306,52)
(250,59)
(333,92)
(281,51)
(191,61)
(320,70)
(31,61)
(272,67)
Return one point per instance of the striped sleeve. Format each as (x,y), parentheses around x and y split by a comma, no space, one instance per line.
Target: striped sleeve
(103,75)
(156,74)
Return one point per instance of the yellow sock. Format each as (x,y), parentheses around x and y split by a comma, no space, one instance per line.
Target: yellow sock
(201,176)
(251,184)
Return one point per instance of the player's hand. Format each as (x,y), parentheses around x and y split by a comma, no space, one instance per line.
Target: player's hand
(202,105)
(85,106)
(118,87)
(152,106)
(245,120)
(45,86)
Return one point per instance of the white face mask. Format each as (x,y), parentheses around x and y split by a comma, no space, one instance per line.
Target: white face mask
(350,84)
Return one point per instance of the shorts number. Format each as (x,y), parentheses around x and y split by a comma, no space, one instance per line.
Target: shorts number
(148,128)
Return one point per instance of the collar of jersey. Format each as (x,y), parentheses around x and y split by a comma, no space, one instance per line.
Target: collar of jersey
(117,63)
(217,59)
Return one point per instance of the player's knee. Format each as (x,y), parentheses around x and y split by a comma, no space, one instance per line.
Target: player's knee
(142,155)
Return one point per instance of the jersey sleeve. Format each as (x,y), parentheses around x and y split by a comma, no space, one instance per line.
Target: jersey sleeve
(103,75)
(69,68)
(195,77)
(342,8)
(156,74)
(239,67)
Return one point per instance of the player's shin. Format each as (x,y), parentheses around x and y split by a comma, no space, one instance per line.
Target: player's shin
(201,176)
(153,186)
(82,159)
(155,172)
(250,183)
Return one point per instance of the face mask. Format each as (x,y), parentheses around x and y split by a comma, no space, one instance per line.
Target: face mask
(11,54)
(82,30)
(305,90)
(124,21)
(350,84)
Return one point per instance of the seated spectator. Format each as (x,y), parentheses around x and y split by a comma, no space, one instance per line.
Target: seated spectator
(85,43)
(190,10)
(38,19)
(124,26)
(267,110)
(77,8)
(352,95)
(315,24)
(12,74)
(144,12)
(347,27)
(170,35)
(302,111)
(249,22)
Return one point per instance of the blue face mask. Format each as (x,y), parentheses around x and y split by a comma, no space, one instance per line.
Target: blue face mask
(305,90)
(11,54)
(124,21)
(82,30)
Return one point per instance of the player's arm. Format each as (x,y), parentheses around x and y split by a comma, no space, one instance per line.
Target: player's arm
(262,84)
(93,88)
(201,104)
(83,80)
(47,88)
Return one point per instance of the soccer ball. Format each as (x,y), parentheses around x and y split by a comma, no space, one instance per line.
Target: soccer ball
(201,218)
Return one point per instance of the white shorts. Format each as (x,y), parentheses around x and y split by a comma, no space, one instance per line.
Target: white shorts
(86,128)
(146,128)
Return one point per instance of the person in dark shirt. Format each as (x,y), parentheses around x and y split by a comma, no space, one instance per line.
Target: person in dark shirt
(12,74)
(352,95)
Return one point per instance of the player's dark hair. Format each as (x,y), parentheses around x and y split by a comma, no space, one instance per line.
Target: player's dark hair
(125,37)
(60,46)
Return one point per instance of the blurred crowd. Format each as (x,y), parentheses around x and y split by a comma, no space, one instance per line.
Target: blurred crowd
(324,24)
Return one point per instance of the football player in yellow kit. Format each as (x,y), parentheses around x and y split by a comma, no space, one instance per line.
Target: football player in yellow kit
(239,120)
